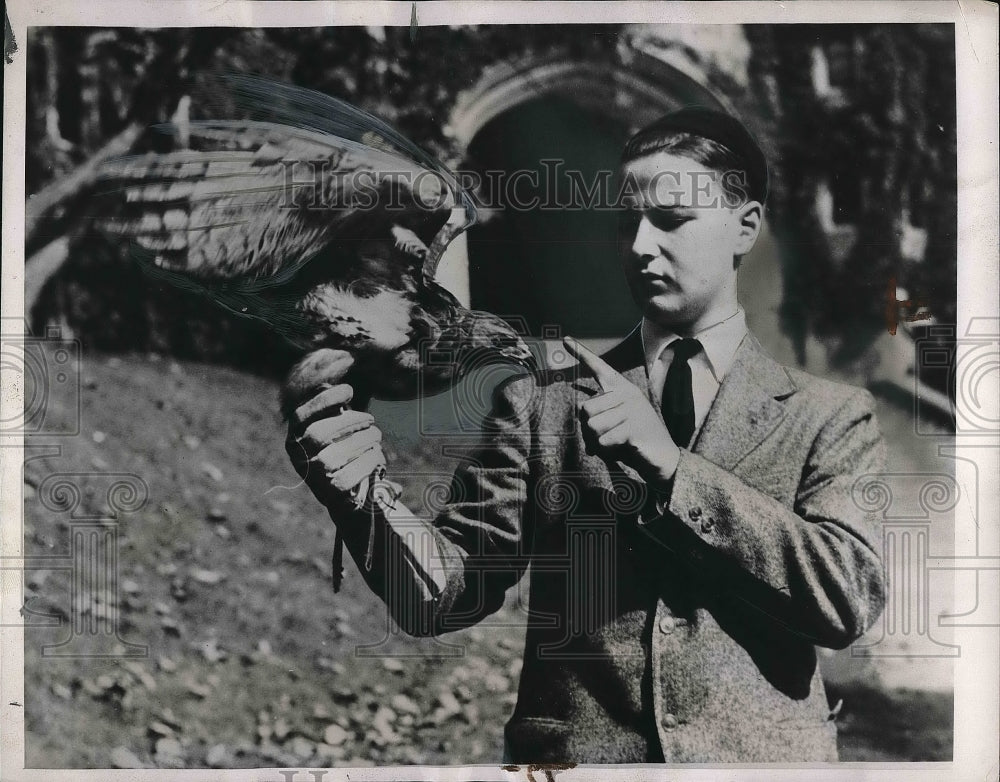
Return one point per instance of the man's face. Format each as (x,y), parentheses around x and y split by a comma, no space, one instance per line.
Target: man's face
(677,239)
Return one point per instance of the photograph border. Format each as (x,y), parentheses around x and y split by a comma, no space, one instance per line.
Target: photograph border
(976,725)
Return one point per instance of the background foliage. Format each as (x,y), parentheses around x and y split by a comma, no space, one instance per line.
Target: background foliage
(885,142)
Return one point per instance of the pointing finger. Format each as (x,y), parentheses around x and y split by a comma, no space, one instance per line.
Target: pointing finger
(606,376)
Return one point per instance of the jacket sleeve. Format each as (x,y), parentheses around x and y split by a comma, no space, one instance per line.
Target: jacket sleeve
(444,574)
(814,567)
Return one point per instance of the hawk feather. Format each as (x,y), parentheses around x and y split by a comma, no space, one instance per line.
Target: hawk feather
(319,219)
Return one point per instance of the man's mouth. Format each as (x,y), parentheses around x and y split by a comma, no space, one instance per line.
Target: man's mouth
(658,282)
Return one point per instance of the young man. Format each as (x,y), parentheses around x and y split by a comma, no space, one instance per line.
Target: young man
(685,501)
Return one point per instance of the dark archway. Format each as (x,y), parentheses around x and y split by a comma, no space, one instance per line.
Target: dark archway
(560,266)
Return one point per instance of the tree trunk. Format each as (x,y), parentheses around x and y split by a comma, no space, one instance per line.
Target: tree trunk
(62,192)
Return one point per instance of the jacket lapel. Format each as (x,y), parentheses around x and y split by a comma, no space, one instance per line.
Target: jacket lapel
(626,357)
(629,359)
(747,408)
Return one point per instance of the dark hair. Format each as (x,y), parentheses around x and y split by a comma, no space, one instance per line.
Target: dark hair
(714,139)
(732,170)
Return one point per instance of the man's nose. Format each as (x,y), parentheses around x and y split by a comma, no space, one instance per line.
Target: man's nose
(645,245)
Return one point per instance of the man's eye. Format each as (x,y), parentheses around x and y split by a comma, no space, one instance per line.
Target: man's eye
(666,219)
(661,219)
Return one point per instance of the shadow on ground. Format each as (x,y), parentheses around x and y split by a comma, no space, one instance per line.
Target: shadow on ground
(894,725)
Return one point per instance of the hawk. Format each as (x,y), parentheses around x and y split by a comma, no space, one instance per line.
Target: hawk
(325,223)
(320,220)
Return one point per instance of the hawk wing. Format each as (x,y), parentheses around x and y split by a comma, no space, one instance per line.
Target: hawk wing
(250,201)
(310,181)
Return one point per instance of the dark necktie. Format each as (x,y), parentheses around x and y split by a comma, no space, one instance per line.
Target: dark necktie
(677,404)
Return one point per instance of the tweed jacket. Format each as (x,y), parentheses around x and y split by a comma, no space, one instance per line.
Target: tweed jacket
(683,636)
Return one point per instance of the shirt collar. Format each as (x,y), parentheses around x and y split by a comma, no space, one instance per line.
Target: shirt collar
(719,342)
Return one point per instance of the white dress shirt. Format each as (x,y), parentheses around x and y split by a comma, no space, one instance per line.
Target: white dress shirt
(709,365)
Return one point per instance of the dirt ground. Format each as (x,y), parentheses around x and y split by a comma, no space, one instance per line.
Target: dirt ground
(242,654)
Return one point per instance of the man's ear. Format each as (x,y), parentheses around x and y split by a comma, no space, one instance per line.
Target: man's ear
(748,217)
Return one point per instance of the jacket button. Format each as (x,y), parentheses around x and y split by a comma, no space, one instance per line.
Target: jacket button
(669,721)
(666,624)
(695,512)
(708,524)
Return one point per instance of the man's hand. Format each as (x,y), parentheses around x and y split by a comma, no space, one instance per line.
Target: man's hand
(333,449)
(620,423)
